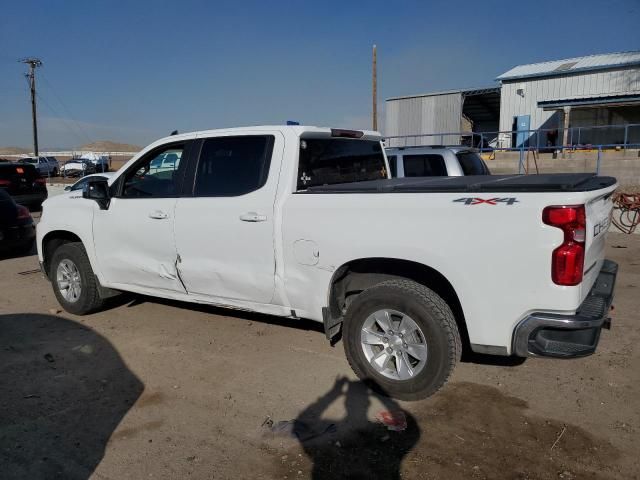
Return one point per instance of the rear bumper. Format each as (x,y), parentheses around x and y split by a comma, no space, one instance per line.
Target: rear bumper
(31,199)
(566,336)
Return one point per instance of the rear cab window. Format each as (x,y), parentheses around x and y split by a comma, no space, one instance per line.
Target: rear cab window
(425,165)
(472,164)
(329,161)
(233,166)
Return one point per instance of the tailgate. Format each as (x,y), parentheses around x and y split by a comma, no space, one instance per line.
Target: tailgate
(599,208)
(19,179)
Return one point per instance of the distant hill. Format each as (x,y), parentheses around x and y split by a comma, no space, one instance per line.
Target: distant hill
(14,151)
(108,146)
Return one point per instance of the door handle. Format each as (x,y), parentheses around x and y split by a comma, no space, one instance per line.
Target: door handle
(158,215)
(253,217)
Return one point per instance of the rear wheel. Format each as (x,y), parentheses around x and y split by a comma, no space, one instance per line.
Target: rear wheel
(73,280)
(403,338)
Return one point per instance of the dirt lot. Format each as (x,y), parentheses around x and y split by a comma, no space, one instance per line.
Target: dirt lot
(154,389)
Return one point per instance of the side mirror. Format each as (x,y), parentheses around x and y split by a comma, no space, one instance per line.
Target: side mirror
(97,190)
(67,188)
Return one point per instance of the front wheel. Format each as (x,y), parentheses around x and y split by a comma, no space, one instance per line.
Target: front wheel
(403,338)
(74,283)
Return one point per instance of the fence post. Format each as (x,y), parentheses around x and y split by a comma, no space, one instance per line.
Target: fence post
(481,142)
(626,135)
(578,135)
(521,161)
(599,159)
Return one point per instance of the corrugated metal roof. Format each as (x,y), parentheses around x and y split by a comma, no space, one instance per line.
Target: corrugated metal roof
(570,65)
(464,91)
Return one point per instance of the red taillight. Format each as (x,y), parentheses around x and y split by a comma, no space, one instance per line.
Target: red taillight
(23,213)
(567,261)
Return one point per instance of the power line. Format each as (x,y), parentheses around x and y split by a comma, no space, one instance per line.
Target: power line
(64,120)
(66,110)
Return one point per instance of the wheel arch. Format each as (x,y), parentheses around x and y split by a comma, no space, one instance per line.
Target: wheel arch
(52,241)
(357,275)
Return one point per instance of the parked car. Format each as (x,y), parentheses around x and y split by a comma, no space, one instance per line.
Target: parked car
(435,161)
(303,222)
(56,165)
(17,231)
(166,163)
(42,164)
(23,183)
(84,180)
(77,167)
(100,162)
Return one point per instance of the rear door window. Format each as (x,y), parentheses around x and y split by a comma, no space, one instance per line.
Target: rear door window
(427,165)
(233,166)
(472,164)
(328,161)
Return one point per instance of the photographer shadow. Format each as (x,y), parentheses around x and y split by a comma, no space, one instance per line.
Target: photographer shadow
(354,447)
(63,391)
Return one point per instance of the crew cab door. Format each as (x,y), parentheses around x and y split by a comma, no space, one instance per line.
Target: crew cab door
(133,238)
(225,229)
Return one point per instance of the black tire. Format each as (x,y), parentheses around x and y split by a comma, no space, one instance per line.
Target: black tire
(89,299)
(432,315)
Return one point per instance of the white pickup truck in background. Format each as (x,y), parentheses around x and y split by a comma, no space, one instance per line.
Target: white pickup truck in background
(435,161)
(304,222)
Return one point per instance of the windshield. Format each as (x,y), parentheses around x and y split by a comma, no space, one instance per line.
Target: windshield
(472,164)
(327,161)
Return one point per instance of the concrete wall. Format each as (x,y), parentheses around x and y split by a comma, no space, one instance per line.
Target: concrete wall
(624,165)
(423,115)
(561,87)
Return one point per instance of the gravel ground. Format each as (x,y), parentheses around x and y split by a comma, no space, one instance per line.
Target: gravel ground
(156,389)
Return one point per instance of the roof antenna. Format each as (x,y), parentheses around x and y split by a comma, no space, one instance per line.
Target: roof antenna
(175,132)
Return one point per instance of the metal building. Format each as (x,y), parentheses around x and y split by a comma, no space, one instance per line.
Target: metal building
(562,100)
(453,111)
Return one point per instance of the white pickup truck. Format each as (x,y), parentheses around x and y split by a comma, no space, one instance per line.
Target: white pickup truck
(304,222)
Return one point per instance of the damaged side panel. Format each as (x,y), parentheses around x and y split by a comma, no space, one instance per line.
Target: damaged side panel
(134,247)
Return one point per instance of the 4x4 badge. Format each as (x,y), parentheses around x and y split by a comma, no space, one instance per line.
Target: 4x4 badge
(488,201)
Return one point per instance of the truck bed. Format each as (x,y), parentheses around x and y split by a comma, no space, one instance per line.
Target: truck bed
(552,182)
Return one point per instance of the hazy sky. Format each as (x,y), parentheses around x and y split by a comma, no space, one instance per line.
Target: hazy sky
(134,71)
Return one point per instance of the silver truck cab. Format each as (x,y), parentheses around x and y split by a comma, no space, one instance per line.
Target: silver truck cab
(435,161)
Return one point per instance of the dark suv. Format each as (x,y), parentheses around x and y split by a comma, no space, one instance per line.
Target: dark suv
(23,182)
(17,232)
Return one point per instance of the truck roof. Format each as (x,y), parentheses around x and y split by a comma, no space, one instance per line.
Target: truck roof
(298,130)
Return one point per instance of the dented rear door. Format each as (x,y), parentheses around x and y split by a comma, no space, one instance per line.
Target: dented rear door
(225,230)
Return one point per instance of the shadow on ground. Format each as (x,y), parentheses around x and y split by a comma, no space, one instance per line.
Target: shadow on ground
(352,446)
(64,389)
(466,430)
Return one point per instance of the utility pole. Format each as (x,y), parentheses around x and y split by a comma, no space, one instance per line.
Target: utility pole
(33,64)
(374,92)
